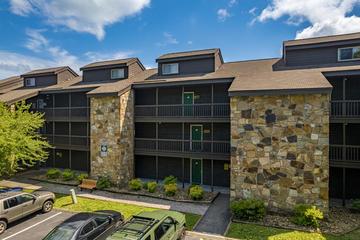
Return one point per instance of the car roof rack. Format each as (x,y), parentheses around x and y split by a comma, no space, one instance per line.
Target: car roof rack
(137,226)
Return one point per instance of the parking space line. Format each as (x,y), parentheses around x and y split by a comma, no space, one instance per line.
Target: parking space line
(25,229)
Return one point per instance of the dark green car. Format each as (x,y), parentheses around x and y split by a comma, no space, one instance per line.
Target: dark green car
(156,225)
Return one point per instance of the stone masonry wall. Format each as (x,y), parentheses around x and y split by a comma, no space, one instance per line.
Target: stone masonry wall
(112,124)
(279,149)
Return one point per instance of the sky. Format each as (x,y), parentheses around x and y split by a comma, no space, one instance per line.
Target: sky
(47,33)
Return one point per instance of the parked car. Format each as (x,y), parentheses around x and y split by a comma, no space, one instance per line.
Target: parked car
(87,226)
(12,189)
(17,205)
(156,225)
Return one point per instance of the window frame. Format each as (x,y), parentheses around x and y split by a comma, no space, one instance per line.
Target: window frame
(163,66)
(346,60)
(117,69)
(32,80)
(8,204)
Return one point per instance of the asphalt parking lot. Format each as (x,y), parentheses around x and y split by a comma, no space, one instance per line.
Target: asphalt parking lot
(34,227)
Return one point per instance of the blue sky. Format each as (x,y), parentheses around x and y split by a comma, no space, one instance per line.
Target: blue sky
(44,33)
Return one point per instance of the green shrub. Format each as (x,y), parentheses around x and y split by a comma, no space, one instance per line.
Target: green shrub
(145,185)
(170,180)
(82,176)
(135,184)
(151,187)
(68,175)
(307,215)
(356,204)
(248,209)
(196,192)
(103,182)
(170,189)
(53,173)
(298,236)
(191,185)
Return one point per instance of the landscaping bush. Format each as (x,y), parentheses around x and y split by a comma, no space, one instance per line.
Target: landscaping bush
(191,185)
(82,176)
(170,189)
(196,192)
(170,180)
(68,175)
(145,185)
(53,173)
(298,236)
(151,187)
(248,209)
(135,184)
(307,215)
(355,204)
(103,182)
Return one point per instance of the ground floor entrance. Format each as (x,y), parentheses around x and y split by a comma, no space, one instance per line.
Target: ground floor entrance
(188,170)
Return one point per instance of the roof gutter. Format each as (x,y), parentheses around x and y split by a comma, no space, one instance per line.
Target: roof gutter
(274,92)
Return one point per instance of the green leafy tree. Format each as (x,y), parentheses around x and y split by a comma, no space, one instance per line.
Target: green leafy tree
(21,145)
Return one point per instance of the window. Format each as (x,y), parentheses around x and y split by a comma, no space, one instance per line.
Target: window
(101,220)
(117,73)
(163,228)
(87,228)
(12,202)
(170,68)
(25,198)
(30,82)
(348,54)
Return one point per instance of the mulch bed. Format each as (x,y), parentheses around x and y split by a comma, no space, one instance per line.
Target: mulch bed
(339,221)
(180,196)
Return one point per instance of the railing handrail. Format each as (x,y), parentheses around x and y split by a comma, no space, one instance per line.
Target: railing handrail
(180,105)
(339,145)
(183,140)
(344,101)
(66,108)
(60,135)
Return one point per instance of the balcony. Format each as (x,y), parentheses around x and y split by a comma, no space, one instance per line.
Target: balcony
(183,146)
(215,110)
(68,142)
(345,109)
(344,156)
(66,113)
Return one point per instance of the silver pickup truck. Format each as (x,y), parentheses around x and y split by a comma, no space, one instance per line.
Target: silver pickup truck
(16,205)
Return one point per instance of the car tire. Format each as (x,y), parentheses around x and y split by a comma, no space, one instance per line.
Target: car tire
(3,226)
(47,206)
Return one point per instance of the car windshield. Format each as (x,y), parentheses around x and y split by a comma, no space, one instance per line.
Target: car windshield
(61,233)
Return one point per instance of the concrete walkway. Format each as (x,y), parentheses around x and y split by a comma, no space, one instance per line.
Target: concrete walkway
(217,217)
(22,180)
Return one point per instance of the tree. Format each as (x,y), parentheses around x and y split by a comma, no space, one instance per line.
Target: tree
(21,145)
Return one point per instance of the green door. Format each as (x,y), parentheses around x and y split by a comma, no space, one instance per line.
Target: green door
(196,170)
(188,102)
(196,137)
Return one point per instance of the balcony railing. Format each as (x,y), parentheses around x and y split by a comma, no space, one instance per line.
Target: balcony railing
(65,113)
(347,108)
(175,145)
(66,140)
(344,153)
(182,110)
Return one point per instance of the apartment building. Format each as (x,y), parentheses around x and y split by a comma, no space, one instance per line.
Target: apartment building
(283,129)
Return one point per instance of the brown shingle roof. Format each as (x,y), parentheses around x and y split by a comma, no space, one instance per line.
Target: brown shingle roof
(54,70)
(10,83)
(125,62)
(18,95)
(333,38)
(188,53)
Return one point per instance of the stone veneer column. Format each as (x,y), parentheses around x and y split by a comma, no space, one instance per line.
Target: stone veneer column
(112,123)
(279,149)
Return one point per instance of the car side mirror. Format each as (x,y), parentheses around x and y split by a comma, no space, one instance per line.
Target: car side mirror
(111,219)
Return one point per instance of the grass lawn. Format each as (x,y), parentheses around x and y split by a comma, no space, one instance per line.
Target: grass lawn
(64,202)
(255,232)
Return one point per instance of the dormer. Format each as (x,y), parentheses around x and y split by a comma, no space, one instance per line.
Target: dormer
(192,62)
(48,76)
(339,50)
(112,70)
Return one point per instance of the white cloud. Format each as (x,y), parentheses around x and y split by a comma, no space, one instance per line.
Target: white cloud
(189,42)
(168,40)
(326,17)
(253,11)
(90,17)
(48,55)
(232,3)
(223,14)
(21,7)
